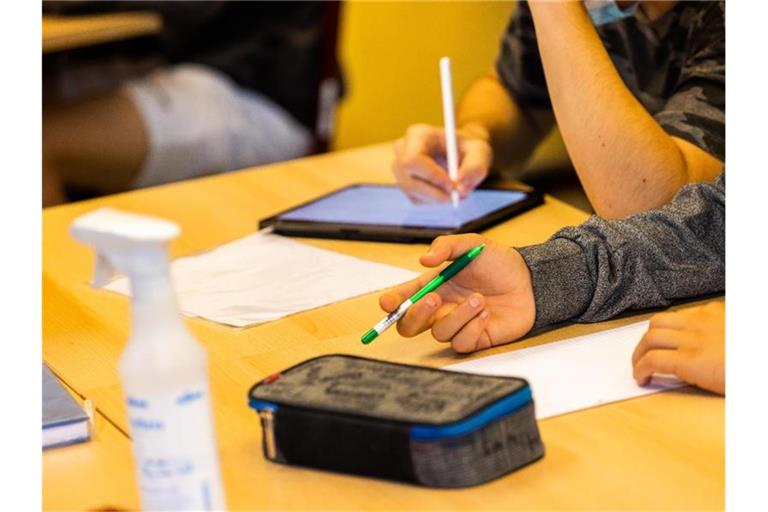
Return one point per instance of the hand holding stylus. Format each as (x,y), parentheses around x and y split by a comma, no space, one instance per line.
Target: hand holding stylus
(435,164)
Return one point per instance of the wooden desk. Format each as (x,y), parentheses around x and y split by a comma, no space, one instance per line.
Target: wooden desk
(661,451)
(94,475)
(67,32)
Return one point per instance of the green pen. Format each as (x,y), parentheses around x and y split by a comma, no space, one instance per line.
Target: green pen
(447,273)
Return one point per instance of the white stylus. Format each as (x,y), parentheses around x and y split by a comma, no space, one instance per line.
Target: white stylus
(449,120)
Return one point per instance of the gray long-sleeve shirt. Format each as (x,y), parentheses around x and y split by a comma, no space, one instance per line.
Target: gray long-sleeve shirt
(604,267)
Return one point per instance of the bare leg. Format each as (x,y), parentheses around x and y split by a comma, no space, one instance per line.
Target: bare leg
(100,143)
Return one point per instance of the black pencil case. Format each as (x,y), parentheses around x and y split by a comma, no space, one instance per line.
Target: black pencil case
(415,424)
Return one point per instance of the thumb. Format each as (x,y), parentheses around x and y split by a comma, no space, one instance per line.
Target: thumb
(450,247)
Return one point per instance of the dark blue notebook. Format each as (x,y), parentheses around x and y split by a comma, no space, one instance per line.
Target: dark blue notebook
(64,421)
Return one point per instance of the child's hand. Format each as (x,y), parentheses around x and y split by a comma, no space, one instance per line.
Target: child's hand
(689,343)
(488,303)
(420,166)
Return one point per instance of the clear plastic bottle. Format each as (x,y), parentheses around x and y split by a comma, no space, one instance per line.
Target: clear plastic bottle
(164,370)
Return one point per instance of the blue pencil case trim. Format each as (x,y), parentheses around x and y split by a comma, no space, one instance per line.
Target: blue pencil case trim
(261,405)
(493,412)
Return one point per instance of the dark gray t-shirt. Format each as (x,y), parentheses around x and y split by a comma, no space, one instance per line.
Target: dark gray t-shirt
(674,65)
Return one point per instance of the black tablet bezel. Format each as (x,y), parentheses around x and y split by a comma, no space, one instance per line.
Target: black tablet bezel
(399,234)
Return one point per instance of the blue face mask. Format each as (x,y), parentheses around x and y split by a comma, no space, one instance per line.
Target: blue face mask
(603,12)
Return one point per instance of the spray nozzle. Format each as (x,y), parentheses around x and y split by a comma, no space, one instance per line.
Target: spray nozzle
(104,271)
(125,242)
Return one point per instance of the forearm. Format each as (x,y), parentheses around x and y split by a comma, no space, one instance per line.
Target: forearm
(625,160)
(599,269)
(486,110)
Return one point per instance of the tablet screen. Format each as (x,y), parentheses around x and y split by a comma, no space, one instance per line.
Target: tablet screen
(388,206)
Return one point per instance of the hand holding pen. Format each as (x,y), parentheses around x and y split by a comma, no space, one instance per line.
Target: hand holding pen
(489,302)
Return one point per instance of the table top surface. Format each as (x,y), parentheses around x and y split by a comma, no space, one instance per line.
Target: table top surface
(661,451)
(68,32)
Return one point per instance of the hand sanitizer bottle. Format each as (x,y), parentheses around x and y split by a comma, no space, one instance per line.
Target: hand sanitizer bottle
(164,370)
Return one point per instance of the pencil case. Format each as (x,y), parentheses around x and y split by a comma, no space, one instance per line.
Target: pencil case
(414,424)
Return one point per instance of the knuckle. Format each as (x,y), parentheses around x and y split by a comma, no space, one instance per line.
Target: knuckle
(407,162)
(644,362)
(640,367)
(650,335)
(655,320)
(417,130)
(651,359)
(440,240)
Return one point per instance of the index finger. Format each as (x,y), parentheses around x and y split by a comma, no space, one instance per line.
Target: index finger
(423,140)
(449,247)
(657,338)
(416,156)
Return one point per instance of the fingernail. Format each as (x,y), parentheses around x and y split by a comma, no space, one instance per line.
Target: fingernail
(485,314)
(474,302)
(431,302)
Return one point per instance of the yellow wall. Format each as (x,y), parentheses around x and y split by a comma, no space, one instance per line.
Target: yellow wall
(390,53)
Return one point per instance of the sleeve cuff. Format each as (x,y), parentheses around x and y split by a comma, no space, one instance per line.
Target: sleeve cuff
(562,284)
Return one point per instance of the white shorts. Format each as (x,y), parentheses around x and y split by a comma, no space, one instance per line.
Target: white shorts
(200,122)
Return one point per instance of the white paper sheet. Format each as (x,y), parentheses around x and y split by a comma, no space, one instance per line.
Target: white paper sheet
(575,374)
(263,277)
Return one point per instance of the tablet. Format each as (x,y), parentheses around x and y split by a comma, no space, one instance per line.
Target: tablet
(384,213)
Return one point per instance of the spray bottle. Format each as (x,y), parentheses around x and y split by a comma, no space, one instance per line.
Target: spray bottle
(163,369)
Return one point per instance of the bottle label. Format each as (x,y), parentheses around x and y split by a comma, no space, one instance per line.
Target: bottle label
(175,451)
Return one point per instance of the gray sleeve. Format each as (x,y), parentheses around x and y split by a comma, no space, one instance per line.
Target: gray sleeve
(604,267)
